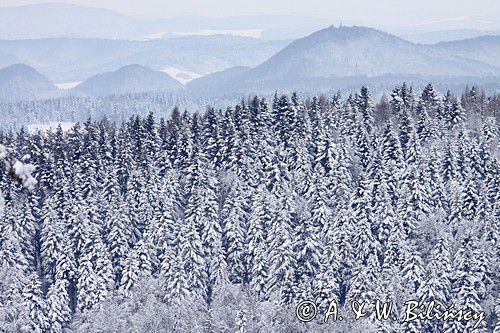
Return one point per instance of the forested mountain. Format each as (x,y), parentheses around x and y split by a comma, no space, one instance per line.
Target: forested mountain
(351,51)
(224,221)
(338,57)
(128,79)
(20,81)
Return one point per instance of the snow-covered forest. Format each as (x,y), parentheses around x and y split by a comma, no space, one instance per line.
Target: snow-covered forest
(114,107)
(223,221)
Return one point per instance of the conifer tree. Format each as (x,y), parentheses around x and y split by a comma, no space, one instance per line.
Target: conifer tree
(468,288)
(365,106)
(235,219)
(36,305)
(259,221)
(364,243)
(59,312)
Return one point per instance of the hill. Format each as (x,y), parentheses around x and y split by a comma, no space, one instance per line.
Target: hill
(350,51)
(20,81)
(128,79)
(358,55)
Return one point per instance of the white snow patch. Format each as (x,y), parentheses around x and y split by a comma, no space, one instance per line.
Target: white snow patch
(156,35)
(67,85)
(180,74)
(65,125)
(21,171)
(254,33)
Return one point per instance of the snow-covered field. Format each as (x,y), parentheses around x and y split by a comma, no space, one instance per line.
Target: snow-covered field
(65,125)
(253,33)
(156,35)
(180,74)
(67,85)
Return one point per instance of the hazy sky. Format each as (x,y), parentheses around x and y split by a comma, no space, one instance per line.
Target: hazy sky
(395,12)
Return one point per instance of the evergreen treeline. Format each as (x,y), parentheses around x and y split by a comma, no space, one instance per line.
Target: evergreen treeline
(223,222)
(114,107)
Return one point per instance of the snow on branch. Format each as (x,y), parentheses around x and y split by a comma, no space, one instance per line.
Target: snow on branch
(19,170)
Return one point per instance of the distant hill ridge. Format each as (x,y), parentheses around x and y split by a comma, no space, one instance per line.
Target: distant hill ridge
(20,81)
(331,58)
(131,78)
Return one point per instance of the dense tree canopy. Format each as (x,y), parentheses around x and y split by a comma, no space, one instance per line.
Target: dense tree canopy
(224,221)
